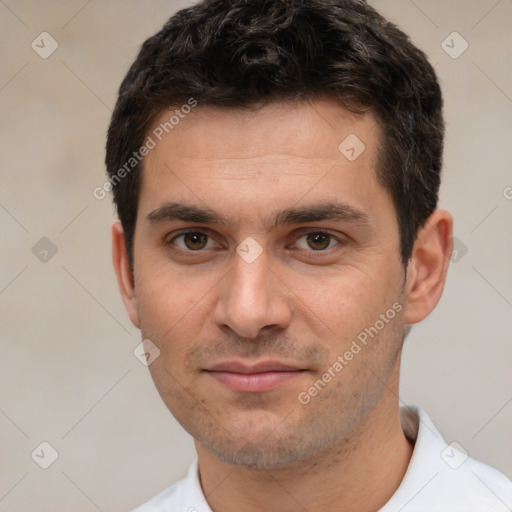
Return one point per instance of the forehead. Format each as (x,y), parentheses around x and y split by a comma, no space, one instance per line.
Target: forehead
(306,128)
(276,154)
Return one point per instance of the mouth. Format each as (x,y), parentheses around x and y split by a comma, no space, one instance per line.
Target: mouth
(257,378)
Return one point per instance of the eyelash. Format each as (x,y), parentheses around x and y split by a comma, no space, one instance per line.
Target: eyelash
(319,253)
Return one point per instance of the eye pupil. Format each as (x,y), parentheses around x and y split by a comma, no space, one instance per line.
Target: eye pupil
(318,241)
(195,240)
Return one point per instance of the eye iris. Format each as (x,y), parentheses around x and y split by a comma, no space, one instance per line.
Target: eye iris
(318,241)
(195,240)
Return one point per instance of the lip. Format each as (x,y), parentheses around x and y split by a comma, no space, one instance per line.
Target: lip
(256,378)
(261,367)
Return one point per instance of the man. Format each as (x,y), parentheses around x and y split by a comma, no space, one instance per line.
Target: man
(275,166)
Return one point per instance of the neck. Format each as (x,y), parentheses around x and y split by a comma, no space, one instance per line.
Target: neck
(360,473)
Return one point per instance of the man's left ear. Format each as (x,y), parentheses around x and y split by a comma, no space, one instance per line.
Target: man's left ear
(428,265)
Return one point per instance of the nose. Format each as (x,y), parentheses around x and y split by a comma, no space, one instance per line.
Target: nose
(252,298)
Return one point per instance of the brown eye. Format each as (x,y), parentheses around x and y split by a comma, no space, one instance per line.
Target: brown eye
(191,241)
(318,241)
(195,241)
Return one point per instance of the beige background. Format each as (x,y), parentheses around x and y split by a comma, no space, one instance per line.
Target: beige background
(68,373)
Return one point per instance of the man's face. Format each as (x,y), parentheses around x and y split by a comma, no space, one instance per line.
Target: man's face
(251,312)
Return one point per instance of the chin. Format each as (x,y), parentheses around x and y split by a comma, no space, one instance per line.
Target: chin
(255,456)
(264,450)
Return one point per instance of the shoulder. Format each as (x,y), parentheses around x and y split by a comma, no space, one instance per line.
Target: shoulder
(443,476)
(472,487)
(485,485)
(168,499)
(183,496)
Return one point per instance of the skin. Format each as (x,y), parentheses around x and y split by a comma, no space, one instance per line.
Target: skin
(299,302)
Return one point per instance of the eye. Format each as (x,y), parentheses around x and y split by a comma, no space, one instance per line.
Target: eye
(192,241)
(317,241)
(196,241)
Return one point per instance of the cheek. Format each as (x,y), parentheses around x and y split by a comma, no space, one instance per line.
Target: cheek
(164,295)
(172,310)
(349,300)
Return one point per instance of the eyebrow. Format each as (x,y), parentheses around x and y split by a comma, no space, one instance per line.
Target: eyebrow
(337,211)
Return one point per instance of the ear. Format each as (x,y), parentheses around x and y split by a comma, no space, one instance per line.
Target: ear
(427,268)
(124,273)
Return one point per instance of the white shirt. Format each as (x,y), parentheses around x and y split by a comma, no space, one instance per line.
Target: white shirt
(439,478)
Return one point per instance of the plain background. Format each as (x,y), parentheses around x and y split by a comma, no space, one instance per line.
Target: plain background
(68,373)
